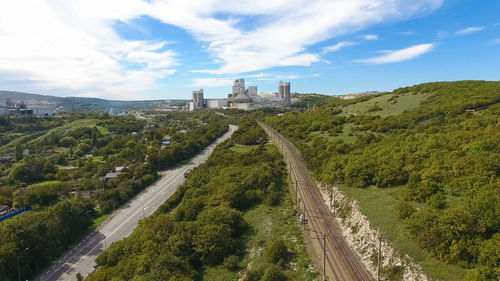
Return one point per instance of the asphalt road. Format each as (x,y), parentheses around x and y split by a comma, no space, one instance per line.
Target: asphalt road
(121,224)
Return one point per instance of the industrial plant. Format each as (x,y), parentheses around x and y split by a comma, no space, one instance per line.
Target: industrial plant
(12,108)
(244,98)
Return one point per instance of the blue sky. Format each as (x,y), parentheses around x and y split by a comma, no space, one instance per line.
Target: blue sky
(133,49)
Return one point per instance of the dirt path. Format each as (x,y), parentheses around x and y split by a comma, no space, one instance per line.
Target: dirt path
(338,260)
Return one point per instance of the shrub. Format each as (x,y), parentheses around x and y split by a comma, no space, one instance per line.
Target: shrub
(254,274)
(405,210)
(273,273)
(276,251)
(273,198)
(231,263)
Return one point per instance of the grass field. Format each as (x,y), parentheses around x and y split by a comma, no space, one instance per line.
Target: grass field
(243,148)
(45,183)
(379,206)
(347,135)
(61,130)
(103,131)
(20,138)
(388,107)
(99,220)
(34,138)
(97,158)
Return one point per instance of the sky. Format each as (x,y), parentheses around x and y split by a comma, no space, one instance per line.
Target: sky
(165,49)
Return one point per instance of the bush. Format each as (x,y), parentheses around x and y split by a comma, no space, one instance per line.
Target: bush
(147,179)
(405,210)
(273,198)
(393,272)
(231,263)
(67,141)
(276,251)
(254,274)
(437,201)
(273,273)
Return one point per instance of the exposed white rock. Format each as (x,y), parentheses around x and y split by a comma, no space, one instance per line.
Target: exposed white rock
(364,238)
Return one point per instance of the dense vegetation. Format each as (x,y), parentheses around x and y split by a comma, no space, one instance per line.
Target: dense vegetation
(445,152)
(45,234)
(202,226)
(68,160)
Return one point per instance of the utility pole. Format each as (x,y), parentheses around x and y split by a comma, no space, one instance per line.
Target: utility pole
(334,208)
(379,255)
(296,190)
(324,251)
(331,195)
(324,257)
(18,268)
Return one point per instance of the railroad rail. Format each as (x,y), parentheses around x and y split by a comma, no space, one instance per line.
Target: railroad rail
(340,261)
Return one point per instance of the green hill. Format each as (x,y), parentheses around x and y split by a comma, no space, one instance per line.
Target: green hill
(78,104)
(423,160)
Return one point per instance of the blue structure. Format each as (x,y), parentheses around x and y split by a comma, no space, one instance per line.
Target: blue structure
(14,213)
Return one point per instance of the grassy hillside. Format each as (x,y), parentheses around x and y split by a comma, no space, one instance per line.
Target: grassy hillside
(386,104)
(436,146)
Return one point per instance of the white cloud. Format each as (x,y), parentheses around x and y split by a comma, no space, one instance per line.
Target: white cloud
(369,37)
(495,41)
(469,30)
(73,45)
(400,55)
(291,26)
(338,46)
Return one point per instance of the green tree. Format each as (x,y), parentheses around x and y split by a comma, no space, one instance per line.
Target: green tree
(18,152)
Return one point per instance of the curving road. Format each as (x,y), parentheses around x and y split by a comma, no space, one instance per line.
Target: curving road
(82,257)
(340,263)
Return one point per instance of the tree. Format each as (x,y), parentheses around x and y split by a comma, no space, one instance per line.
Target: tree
(276,251)
(213,243)
(18,153)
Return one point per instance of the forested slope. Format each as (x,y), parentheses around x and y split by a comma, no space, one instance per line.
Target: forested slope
(444,151)
(202,232)
(70,158)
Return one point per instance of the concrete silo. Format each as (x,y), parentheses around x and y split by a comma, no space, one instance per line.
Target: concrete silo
(287,92)
(198,101)
(284,91)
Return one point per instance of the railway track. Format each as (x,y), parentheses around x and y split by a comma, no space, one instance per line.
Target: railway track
(340,261)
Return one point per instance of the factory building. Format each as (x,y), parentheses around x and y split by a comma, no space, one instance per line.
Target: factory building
(215,103)
(198,101)
(252,93)
(249,99)
(243,98)
(15,108)
(238,87)
(284,91)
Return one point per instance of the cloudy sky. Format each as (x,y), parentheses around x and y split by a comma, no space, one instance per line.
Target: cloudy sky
(161,49)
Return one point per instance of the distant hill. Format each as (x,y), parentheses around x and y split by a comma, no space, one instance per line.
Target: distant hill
(32,100)
(78,104)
